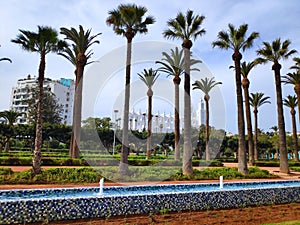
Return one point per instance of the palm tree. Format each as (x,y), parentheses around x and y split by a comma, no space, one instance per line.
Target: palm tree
(206,85)
(43,42)
(236,40)
(10,116)
(256,100)
(294,78)
(127,20)
(297,64)
(245,70)
(78,55)
(291,102)
(149,77)
(5,59)
(173,65)
(273,52)
(185,28)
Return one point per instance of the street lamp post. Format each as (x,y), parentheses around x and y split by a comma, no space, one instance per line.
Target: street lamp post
(115,127)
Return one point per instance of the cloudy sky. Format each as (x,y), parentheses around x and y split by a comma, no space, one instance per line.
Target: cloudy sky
(271,18)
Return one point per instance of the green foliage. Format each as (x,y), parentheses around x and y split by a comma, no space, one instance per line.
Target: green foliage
(93,175)
(226,172)
(51,176)
(296,168)
(52,111)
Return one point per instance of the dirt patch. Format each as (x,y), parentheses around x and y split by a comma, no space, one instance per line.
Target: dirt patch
(249,215)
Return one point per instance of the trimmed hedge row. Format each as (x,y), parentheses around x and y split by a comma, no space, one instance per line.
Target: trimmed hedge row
(89,175)
(51,161)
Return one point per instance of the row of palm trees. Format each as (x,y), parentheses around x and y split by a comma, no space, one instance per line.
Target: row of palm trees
(128,20)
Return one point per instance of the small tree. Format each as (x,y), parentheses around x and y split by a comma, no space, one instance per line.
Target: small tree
(149,77)
(206,85)
(257,100)
(292,102)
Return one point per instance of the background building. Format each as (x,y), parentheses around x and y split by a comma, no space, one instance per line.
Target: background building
(62,89)
(162,122)
(200,113)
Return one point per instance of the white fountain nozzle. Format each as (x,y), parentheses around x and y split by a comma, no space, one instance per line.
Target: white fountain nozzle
(221,182)
(101,182)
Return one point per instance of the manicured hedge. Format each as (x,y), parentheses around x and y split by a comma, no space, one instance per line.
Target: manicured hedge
(90,175)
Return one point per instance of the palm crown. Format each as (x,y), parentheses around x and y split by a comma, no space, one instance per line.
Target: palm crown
(44,41)
(275,51)
(292,78)
(148,77)
(246,68)
(127,20)
(290,101)
(10,116)
(206,85)
(82,40)
(235,39)
(173,64)
(185,27)
(258,99)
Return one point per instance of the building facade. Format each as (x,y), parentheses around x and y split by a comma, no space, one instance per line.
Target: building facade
(62,89)
(164,123)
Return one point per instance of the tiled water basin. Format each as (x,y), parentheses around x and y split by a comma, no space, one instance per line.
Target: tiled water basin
(64,193)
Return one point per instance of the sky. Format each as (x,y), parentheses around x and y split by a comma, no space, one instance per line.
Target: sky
(104,80)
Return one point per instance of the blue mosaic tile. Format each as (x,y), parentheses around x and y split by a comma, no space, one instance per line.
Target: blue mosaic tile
(24,206)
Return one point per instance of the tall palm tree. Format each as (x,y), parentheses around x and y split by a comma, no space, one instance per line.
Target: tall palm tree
(10,116)
(273,52)
(186,27)
(206,85)
(236,40)
(78,55)
(245,70)
(173,65)
(43,42)
(294,78)
(149,77)
(128,20)
(256,100)
(292,102)
(5,59)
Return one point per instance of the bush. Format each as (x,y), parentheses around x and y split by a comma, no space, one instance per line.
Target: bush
(226,172)
(52,176)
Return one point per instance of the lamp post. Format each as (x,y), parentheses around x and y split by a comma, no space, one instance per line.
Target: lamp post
(115,127)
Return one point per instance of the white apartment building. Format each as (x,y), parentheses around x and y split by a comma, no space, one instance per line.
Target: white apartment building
(63,90)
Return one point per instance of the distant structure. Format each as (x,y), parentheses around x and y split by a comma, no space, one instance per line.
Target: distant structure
(162,122)
(63,90)
(200,113)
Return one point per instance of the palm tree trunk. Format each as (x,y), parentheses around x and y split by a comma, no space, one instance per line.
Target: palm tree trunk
(76,126)
(123,167)
(242,159)
(255,135)
(187,167)
(295,138)
(297,91)
(207,153)
(177,119)
(284,166)
(149,144)
(37,157)
(249,124)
